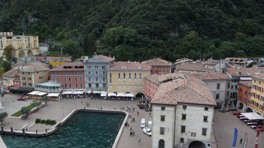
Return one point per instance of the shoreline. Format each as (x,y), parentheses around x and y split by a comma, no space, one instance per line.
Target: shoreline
(70,117)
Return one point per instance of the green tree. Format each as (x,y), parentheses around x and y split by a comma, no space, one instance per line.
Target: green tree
(8,51)
(239,37)
(239,53)
(2,117)
(71,48)
(250,27)
(193,55)
(6,65)
(91,44)
(25,110)
(189,42)
(45,99)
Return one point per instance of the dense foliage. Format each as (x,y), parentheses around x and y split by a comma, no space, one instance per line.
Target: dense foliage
(142,29)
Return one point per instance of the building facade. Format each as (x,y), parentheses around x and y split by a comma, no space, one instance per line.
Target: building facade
(8,79)
(95,72)
(34,74)
(151,85)
(159,66)
(23,45)
(244,94)
(182,111)
(127,77)
(70,75)
(257,97)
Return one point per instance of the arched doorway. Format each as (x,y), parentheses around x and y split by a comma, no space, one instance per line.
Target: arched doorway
(30,53)
(161,143)
(240,105)
(197,144)
(249,110)
(21,54)
(140,95)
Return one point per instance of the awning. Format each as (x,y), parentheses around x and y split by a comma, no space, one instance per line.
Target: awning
(121,95)
(78,92)
(13,88)
(103,92)
(103,95)
(96,92)
(245,78)
(89,91)
(41,93)
(25,89)
(67,92)
(252,116)
(53,94)
(33,93)
(129,95)
(111,94)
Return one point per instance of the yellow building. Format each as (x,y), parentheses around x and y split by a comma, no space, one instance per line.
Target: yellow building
(9,77)
(34,74)
(257,98)
(23,45)
(127,77)
(55,64)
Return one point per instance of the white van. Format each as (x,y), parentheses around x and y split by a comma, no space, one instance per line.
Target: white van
(150,124)
(143,123)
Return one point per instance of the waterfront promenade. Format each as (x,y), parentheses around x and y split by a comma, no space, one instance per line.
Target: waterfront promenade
(57,110)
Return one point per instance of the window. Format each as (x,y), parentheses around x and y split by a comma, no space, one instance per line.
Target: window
(204,130)
(240,89)
(65,79)
(76,85)
(110,75)
(183,129)
(218,85)
(110,80)
(124,80)
(227,94)
(183,116)
(58,79)
(64,73)
(245,91)
(135,80)
(135,86)
(140,75)
(80,73)
(206,108)
(29,84)
(205,118)
(228,85)
(81,85)
(69,79)
(124,86)
(119,80)
(129,87)
(236,87)
(162,118)
(110,86)
(182,140)
(23,78)
(232,86)
(24,84)
(58,73)
(162,108)
(140,87)
(119,87)
(53,73)
(124,75)
(217,96)
(76,73)
(80,79)
(135,75)
(69,85)
(118,75)
(140,80)
(184,107)
(76,79)
(29,78)
(129,80)
(65,85)
(162,130)
(244,99)
(54,79)
(129,75)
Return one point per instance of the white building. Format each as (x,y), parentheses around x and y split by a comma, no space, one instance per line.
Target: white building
(182,111)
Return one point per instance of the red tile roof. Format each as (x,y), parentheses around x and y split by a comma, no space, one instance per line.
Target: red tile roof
(157,62)
(240,71)
(35,68)
(69,67)
(209,76)
(189,90)
(194,67)
(106,57)
(129,66)
(11,73)
(246,83)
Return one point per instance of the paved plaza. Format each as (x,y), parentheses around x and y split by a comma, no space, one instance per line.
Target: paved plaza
(57,110)
(224,126)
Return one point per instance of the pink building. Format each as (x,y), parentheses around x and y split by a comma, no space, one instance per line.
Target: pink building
(70,75)
(16,83)
(159,66)
(151,85)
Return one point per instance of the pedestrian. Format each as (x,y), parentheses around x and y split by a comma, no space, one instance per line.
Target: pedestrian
(241,141)
(137,113)
(139,141)
(130,128)
(130,133)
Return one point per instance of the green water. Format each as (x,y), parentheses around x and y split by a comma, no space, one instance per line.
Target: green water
(89,130)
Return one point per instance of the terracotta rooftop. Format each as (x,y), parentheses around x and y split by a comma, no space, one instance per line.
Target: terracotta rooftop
(105,57)
(35,68)
(259,76)
(11,73)
(189,90)
(71,66)
(209,76)
(211,62)
(246,83)
(157,62)
(153,78)
(194,67)
(129,66)
(239,71)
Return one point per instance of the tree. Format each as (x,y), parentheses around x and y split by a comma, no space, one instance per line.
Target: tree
(71,48)
(8,51)
(239,53)
(45,99)
(6,65)
(2,117)
(239,37)
(25,110)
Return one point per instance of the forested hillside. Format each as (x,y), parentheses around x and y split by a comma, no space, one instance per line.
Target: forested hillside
(142,29)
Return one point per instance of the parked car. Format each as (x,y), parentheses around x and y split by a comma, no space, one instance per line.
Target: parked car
(147,131)
(21,98)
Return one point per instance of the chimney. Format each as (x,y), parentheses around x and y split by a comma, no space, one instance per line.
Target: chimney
(176,84)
